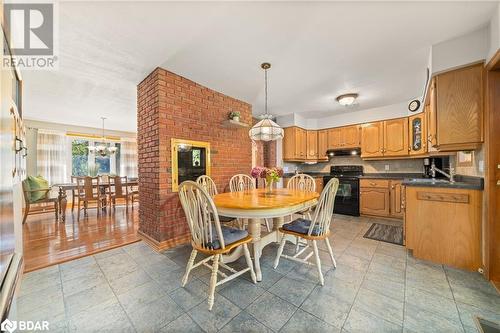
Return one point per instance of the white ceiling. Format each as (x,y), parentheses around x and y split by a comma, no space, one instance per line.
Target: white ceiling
(317,51)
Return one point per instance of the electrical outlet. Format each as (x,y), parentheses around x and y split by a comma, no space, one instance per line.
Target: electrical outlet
(387,167)
(481,166)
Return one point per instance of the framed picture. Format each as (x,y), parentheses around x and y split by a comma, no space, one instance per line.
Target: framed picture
(465,158)
(190,159)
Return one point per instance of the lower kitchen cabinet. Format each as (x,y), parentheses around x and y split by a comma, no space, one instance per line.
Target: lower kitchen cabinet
(443,225)
(381,197)
(374,201)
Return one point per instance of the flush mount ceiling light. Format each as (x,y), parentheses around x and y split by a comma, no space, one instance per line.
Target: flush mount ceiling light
(347,99)
(266,129)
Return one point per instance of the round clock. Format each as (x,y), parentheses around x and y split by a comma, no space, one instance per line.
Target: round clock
(414,105)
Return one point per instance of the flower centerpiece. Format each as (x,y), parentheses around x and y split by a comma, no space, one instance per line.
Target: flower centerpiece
(271,175)
(234,115)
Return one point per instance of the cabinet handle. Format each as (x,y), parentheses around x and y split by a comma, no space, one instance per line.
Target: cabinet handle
(373,184)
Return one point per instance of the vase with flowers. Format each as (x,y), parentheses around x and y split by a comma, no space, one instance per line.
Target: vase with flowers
(271,175)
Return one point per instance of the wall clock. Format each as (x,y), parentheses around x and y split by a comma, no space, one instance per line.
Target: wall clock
(414,105)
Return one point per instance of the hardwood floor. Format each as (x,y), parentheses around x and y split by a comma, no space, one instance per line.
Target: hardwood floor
(47,242)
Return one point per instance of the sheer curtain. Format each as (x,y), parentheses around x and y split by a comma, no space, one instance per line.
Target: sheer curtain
(52,154)
(128,158)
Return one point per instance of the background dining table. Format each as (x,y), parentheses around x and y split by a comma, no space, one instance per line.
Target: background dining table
(255,205)
(63,187)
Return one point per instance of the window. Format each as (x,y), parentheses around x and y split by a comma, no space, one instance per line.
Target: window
(87,162)
(79,157)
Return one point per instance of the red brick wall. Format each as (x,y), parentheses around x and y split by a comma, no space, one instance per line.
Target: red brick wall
(170,106)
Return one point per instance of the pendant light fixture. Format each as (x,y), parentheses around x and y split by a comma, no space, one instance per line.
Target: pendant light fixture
(266,129)
(102,149)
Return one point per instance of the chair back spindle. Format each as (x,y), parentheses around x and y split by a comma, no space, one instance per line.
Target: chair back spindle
(320,223)
(302,182)
(241,182)
(207,184)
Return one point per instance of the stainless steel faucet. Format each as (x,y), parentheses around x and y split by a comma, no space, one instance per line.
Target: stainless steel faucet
(450,176)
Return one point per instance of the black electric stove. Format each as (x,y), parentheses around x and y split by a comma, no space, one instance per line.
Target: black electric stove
(347,199)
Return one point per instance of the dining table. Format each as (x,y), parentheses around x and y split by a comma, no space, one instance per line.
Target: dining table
(257,204)
(63,187)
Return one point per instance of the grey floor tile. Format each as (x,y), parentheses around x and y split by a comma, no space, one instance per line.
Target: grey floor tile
(379,283)
(439,305)
(354,262)
(269,277)
(241,292)
(212,321)
(380,305)
(382,262)
(40,279)
(88,298)
(244,322)
(271,310)
(78,263)
(302,321)
(154,315)
(458,277)
(183,324)
(129,281)
(392,250)
(468,313)
(360,250)
(329,309)
(348,274)
(363,321)
(140,295)
(292,290)
(83,282)
(477,298)
(419,320)
(108,316)
(438,287)
(49,297)
(307,273)
(87,269)
(341,289)
(117,265)
(190,295)
(108,253)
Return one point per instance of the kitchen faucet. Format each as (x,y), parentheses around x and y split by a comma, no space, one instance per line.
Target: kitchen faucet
(450,176)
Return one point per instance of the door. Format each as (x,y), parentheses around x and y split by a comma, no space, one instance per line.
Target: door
(395,197)
(418,134)
(374,201)
(334,138)
(312,145)
(372,138)
(396,137)
(351,136)
(322,144)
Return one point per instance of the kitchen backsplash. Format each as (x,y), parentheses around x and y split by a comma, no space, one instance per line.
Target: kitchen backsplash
(408,165)
(477,168)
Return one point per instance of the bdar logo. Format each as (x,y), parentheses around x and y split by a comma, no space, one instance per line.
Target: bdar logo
(8,326)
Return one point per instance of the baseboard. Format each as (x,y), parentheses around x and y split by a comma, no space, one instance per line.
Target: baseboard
(164,245)
(496,284)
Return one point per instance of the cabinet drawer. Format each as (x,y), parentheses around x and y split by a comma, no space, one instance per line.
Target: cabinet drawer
(443,197)
(379,183)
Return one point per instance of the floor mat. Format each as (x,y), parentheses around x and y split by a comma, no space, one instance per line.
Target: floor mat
(385,233)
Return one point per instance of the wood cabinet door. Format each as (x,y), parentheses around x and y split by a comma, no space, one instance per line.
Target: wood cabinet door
(289,143)
(300,144)
(417,134)
(319,184)
(395,199)
(372,139)
(351,136)
(322,144)
(334,138)
(312,145)
(432,115)
(459,98)
(374,201)
(396,137)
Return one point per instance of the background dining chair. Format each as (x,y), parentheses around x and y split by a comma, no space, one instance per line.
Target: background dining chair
(208,185)
(242,182)
(120,190)
(312,230)
(73,193)
(88,190)
(210,238)
(302,182)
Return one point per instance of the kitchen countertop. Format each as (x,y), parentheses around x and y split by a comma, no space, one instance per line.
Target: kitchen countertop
(312,174)
(463,182)
(388,175)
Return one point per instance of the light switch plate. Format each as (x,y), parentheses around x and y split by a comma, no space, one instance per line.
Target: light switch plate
(481,166)
(387,167)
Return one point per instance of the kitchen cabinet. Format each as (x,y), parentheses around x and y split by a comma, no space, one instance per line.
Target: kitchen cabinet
(322,145)
(387,138)
(312,145)
(381,197)
(372,139)
(319,184)
(456,109)
(418,134)
(294,144)
(432,115)
(443,225)
(344,137)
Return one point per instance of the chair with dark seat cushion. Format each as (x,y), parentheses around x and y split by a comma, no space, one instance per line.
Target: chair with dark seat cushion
(312,230)
(208,185)
(231,235)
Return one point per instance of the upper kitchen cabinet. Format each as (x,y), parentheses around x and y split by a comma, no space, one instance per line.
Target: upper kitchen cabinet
(372,139)
(344,137)
(418,134)
(456,109)
(294,144)
(312,145)
(385,139)
(322,145)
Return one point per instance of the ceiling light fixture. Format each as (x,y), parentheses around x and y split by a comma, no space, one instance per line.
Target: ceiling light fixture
(347,99)
(102,148)
(266,129)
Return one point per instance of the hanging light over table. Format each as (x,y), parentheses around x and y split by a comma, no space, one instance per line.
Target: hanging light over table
(102,149)
(266,129)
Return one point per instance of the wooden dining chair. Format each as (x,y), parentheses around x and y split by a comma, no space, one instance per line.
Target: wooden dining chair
(312,230)
(242,182)
(120,190)
(73,194)
(210,238)
(302,182)
(88,190)
(208,185)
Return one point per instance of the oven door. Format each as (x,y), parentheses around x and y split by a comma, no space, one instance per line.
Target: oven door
(347,199)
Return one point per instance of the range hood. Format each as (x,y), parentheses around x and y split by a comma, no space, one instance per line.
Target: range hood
(343,152)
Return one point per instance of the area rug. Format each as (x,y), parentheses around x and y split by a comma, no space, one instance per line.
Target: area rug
(385,233)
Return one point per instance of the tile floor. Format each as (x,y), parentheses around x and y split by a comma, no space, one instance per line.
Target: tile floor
(377,287)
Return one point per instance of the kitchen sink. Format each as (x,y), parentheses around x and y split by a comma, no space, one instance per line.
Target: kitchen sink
(427,181)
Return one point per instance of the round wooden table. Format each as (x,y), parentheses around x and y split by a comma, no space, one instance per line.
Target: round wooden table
(255,205)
